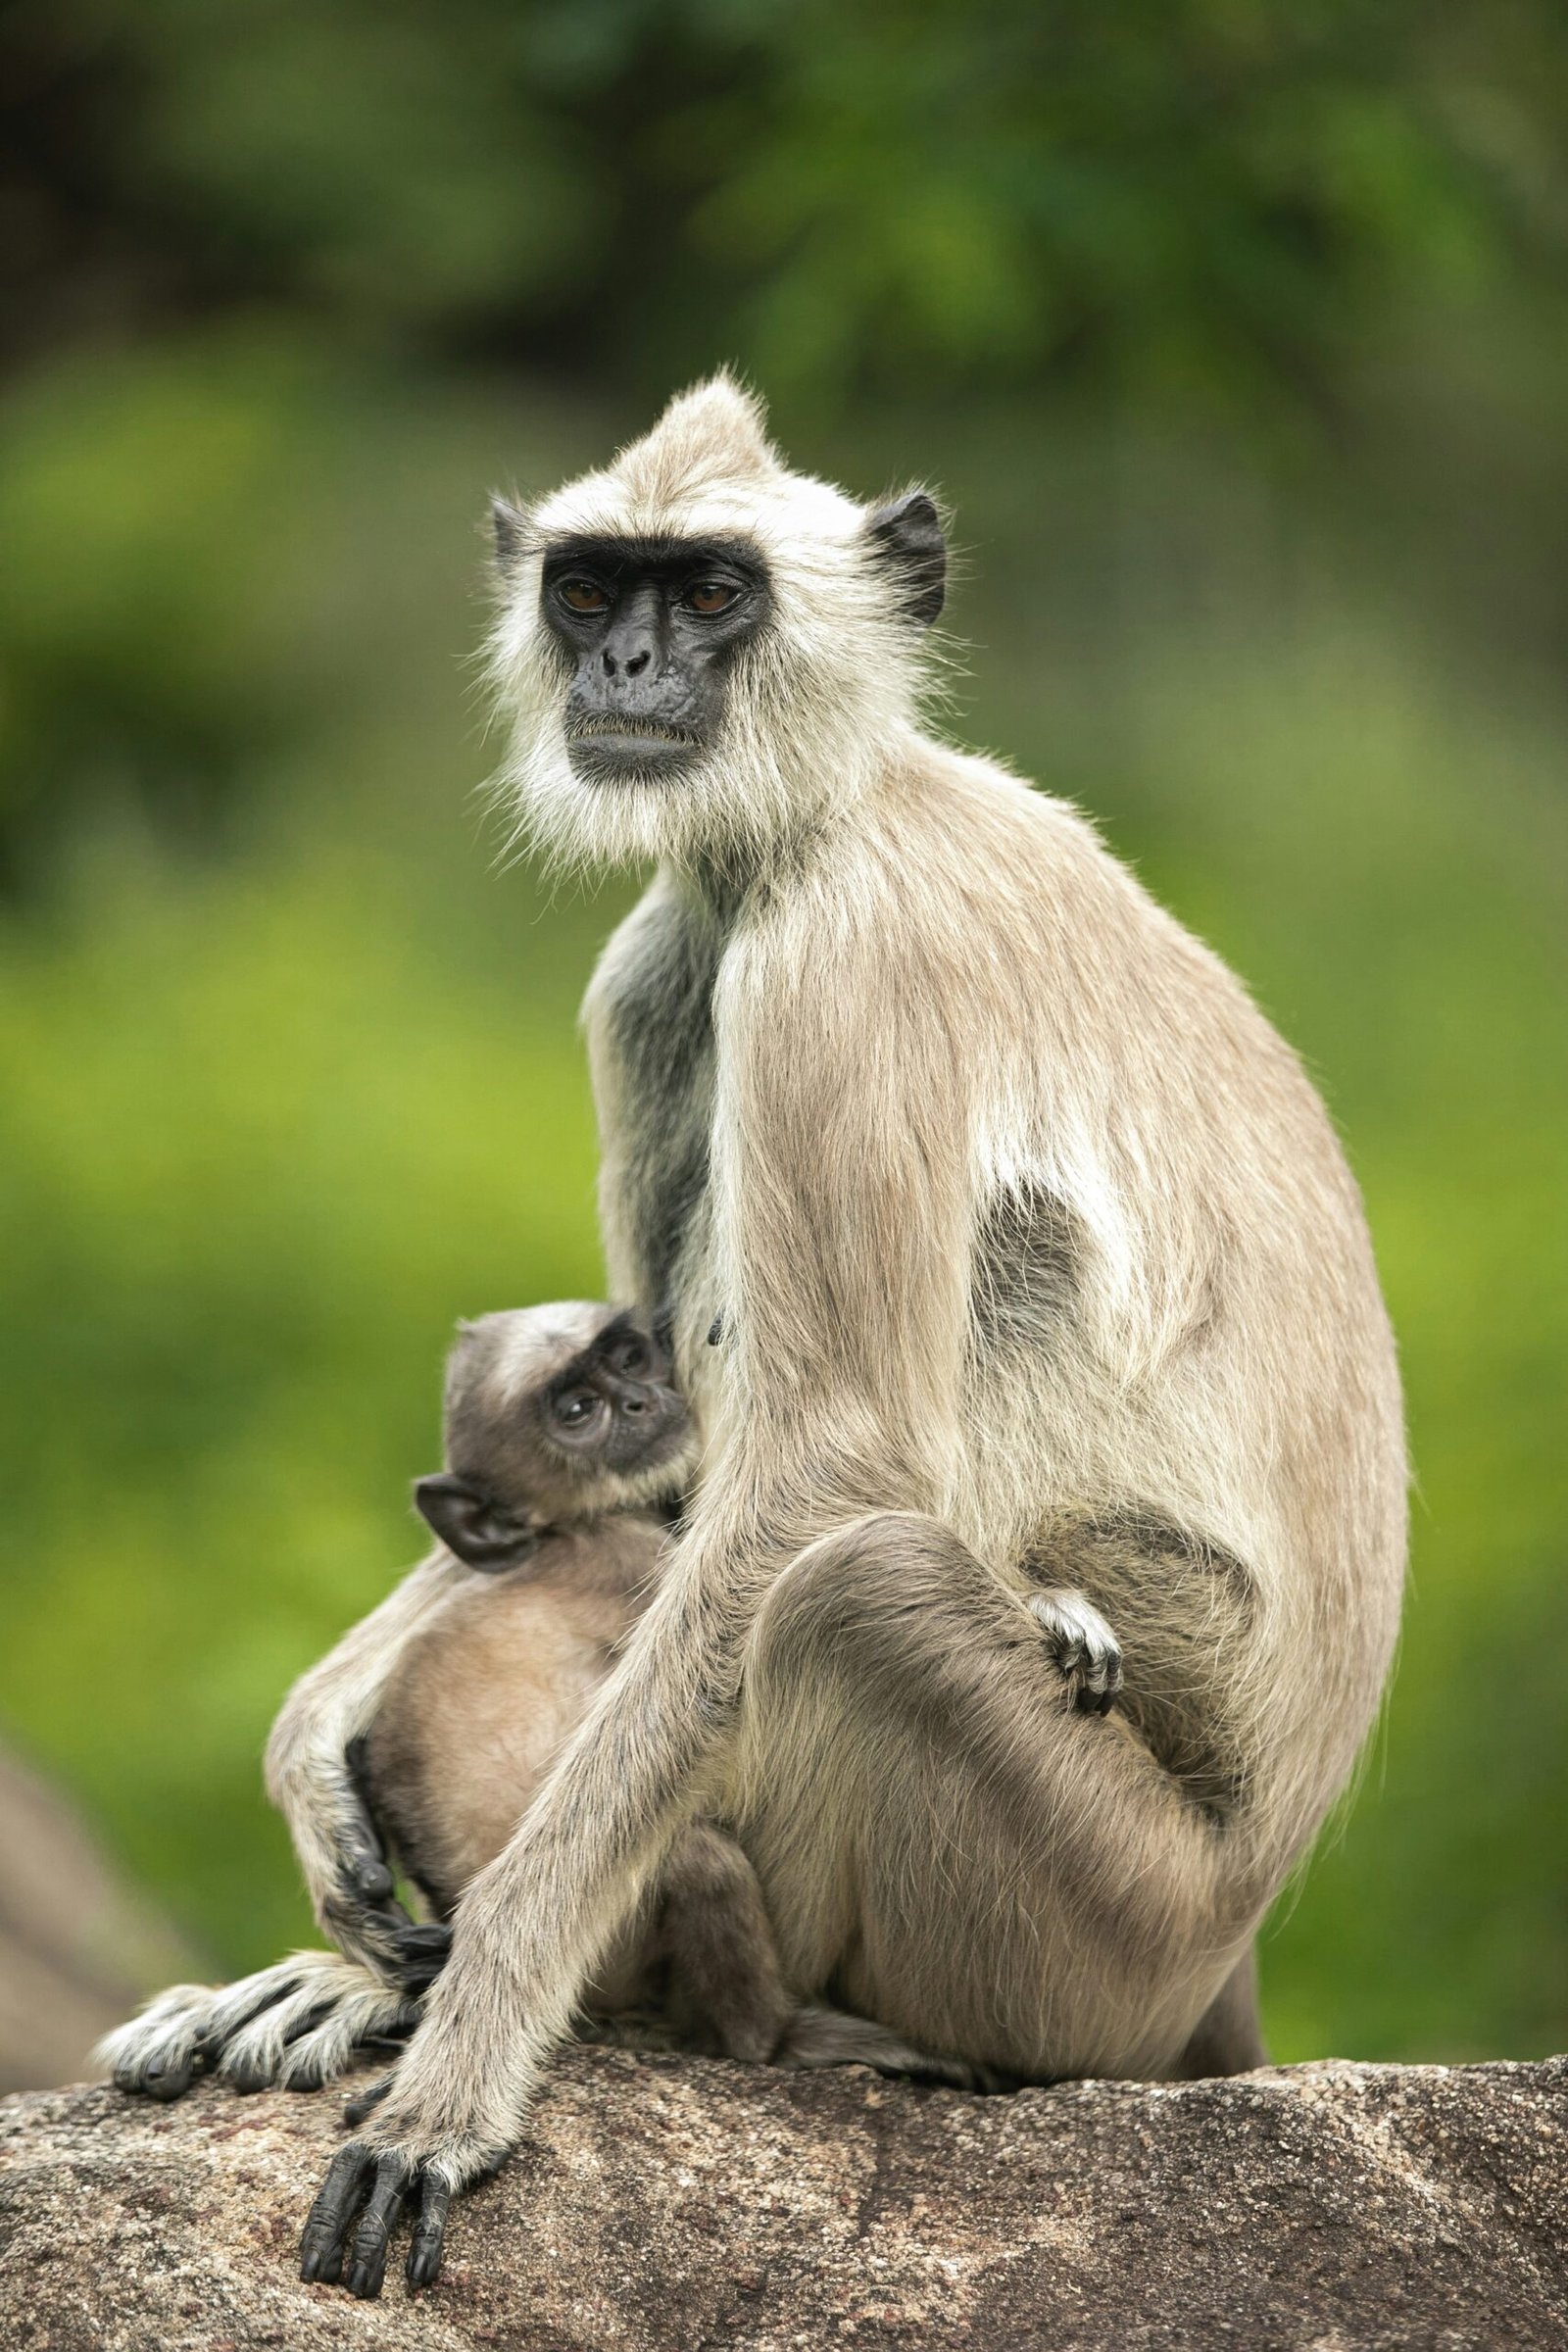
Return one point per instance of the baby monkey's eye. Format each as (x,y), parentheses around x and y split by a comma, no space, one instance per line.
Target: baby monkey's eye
(575,1408)
(630,1359)
(583,596)
(712,596)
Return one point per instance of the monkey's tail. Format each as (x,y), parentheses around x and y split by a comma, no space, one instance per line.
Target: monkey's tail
(295,2026)
(821,2036)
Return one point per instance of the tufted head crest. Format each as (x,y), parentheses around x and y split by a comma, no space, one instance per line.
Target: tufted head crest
(714,432)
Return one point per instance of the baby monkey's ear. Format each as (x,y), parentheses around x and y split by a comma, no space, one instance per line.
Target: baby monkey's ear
(472,1522)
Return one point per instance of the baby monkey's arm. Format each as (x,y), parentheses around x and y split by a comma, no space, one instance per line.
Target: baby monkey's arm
(311,1779)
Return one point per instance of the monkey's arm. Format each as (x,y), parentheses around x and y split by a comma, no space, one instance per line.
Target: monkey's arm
(309,1779)
(841,1216)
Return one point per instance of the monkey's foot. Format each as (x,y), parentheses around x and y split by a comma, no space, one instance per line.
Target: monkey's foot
(314,2027)
(361,2198)
(298,2024)
(1088,1654)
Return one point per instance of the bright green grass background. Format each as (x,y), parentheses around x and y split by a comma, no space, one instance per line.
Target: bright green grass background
(275,1109)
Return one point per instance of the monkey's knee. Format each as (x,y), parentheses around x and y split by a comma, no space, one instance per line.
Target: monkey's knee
(898,1606)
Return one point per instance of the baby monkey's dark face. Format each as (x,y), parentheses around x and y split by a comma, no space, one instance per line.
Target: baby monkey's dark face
(554,1415)
(614,1406)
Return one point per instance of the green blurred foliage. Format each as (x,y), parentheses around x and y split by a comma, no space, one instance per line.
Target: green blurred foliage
(1201,194)
(1229,332)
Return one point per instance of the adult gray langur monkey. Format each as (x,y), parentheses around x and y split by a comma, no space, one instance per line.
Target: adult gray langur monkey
(1029,1260)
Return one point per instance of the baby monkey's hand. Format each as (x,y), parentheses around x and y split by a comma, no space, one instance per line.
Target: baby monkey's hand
(1087,1653)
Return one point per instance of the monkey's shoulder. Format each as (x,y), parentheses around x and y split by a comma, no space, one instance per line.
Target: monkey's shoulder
(654,982)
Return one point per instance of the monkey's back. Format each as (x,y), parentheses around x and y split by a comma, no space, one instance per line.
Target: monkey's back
(489,1692)
(1177,1327)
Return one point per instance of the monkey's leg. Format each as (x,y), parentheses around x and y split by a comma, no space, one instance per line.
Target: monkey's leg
(727,1996)
(948,1844)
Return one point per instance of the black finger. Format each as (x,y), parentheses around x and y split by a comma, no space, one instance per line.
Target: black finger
(431,1937)
(371,1880)
(429,2231)
(357,2109)
(313,2017)
(420,1956)
(383,1920)
(331,2217)
(392,2038)
(248,2077)
(393,2181)
(164,2079)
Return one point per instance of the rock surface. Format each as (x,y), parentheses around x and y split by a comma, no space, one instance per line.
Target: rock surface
(664,2202)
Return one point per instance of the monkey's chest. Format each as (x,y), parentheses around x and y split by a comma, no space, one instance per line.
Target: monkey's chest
(651,1043)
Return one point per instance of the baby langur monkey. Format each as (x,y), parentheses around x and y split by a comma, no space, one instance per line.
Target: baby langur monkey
(567,1443)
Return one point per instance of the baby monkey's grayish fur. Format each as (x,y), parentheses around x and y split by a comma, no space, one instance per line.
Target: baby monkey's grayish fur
(567,1445)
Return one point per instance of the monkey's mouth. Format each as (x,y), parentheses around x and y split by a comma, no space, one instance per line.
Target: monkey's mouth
(608,750)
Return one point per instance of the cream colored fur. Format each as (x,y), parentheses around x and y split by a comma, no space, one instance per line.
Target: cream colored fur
(1038,1266)
(913,1005)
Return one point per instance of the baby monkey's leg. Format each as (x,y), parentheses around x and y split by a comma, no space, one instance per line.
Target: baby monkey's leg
(727,1996)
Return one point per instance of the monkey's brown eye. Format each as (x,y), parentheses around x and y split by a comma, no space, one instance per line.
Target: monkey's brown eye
(584,596)
(630,1359)
(711,596)
(576,1408)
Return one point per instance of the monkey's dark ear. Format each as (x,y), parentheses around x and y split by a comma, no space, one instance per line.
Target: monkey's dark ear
(507,531)
(907,540)
(471,1523)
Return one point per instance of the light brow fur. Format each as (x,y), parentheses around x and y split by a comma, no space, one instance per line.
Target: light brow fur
(1028,1232)
(467,1729)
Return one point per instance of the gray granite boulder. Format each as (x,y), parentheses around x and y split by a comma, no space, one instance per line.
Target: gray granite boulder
(674,2203)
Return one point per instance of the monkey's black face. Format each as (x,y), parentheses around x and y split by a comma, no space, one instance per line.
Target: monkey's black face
(652,628)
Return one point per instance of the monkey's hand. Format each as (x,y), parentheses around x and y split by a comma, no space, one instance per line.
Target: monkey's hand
(362,2196)
(367,2185)
(451,2111)
(356,1903)
(1088,1654)
(366,1922)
